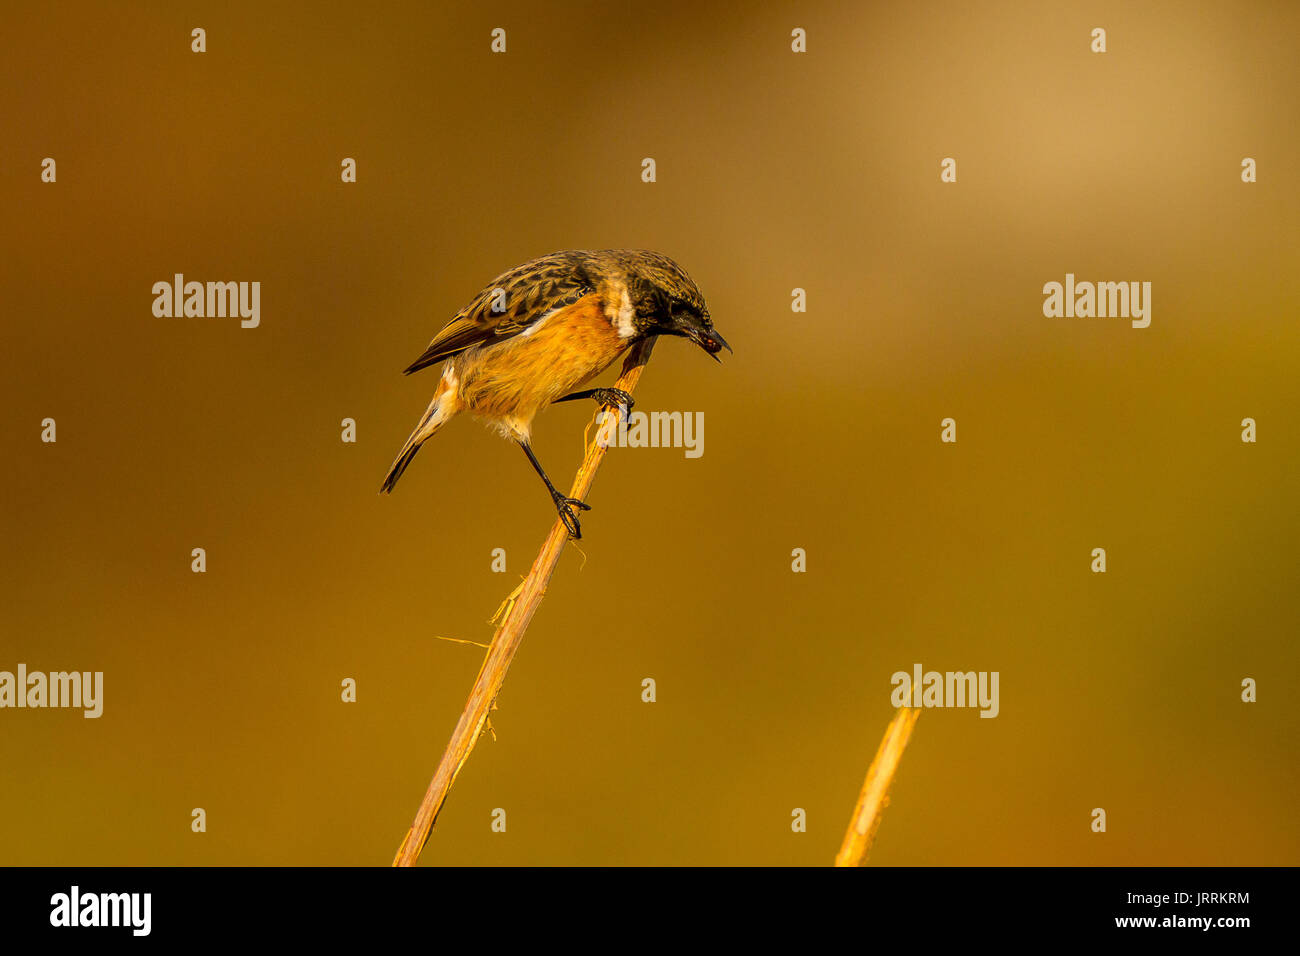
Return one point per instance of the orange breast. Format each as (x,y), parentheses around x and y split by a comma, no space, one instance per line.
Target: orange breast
(516,378)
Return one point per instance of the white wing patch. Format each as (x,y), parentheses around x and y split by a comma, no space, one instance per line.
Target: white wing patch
(538,324)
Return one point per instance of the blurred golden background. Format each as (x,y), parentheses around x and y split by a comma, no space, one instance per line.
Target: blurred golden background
(776,170)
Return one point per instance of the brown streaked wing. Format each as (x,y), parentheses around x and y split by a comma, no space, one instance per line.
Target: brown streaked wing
(532,290)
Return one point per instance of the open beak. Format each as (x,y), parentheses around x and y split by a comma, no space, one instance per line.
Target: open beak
(709,340)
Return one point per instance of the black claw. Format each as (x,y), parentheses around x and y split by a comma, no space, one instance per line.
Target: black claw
(615,397)
(564,507)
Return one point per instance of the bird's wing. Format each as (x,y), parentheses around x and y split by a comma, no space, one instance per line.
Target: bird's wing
(531,291)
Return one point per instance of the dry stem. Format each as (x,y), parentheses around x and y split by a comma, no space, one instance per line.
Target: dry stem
(875,789)
(505,642)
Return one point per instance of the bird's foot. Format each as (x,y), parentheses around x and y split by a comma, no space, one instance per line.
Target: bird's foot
(614,397)
(568,509)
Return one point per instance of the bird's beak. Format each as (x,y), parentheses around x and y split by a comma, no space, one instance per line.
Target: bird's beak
(709,340)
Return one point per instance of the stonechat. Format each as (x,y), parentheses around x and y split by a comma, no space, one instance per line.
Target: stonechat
(549,326)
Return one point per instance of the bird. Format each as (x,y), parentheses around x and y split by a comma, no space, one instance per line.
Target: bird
(538,332)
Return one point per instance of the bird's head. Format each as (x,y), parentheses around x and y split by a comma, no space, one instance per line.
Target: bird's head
(668,302)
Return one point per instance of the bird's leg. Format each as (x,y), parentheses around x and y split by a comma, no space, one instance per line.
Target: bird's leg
(614,397)
(565,506)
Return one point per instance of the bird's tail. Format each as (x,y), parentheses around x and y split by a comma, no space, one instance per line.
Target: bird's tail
(408,453)
(443,407)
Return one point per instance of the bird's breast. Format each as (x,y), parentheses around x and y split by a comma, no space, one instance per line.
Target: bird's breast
(518,376)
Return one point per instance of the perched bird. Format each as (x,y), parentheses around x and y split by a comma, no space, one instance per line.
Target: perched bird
(549,326)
